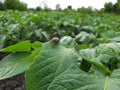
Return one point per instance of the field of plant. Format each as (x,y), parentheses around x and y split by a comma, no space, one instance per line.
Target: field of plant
(18,26)
(61,51)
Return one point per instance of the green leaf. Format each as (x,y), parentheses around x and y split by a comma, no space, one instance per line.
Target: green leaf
(84,37)
(12,28)
(87,53)
(16,63)
(75,79)
(36,45)
(117,39)
(19,47)
(13,64)
(67,41)
(105,52)
(89,56)
(2,40)
(111,36)
(50,64)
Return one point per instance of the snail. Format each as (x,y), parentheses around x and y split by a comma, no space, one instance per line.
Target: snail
(55,40)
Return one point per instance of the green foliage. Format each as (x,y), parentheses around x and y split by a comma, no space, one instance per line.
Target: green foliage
(108,7)
(19,26)
(69,7)
(38,8)
(15,5)
(85,10)
(26,44)
(2,6)
(86,57)
(14,64)
(59,63)
(58,57)
(20,60)
(76,79)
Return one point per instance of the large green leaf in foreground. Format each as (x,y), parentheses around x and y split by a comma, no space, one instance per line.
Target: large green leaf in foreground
(75,79)
(56,69)
(51,64)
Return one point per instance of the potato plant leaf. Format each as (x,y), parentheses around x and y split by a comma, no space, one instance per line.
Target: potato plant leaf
(22,46)
(14,64)
(75,79)
(53,61)
(2,40)
(18,62)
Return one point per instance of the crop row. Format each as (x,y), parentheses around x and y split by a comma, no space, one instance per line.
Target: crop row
(19,26)
(83,55)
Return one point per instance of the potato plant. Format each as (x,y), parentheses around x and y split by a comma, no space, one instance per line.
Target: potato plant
(64,65)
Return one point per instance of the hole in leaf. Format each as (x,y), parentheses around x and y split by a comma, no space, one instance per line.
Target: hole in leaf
(85,66)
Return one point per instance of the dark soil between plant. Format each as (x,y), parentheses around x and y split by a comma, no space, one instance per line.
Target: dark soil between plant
(2,55)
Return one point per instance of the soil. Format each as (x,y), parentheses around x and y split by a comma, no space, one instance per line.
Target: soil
(13,83)
(2,55)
